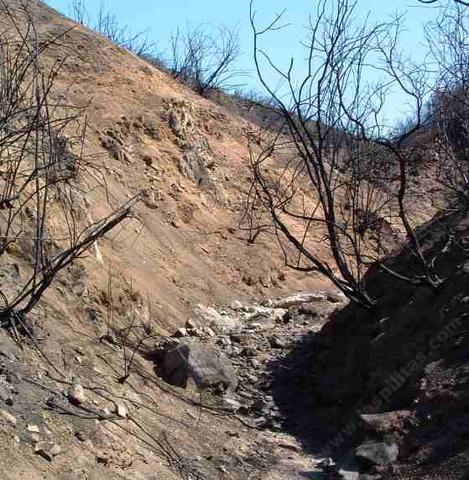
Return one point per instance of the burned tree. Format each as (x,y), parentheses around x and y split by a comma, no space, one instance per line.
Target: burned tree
(203,57)
(40,175)
(448,40)
(335,173)
(328,117)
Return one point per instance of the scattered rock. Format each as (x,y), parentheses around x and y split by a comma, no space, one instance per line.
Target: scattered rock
(298,299)
(192,324)
(236,305)
(276,342)
(181,332)
(48,450)
(377,453)
(278,314)
(8,416)
(344,474)
(335,297)
(76,394)
(35,438)
(231,404)
(33,429)
(289,445)
(326,463)
(121,409)
(206,315)
(80,435)
(225,324)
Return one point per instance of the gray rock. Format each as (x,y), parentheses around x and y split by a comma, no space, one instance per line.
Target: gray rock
(236,305)
(121,409)
(278,314)
(220,324)
(9,417)
(257,310)
(384,422)
(335,297)
(348,474)
(277,342)
(231,404)
(205,315)
(299,299)
(76,393)
(377,453)
(48,450)
(201,362)
(181,332)
(192,324)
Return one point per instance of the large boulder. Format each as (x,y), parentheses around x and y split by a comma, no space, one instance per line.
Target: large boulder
(201,362)
(383,423)
(377,453)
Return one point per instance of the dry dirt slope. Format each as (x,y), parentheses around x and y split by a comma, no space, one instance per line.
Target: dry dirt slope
(145,132)
(148,133)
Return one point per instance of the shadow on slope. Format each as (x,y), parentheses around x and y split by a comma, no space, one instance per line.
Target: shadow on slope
(408,354)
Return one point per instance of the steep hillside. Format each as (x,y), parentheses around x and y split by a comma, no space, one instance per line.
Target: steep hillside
(69,409)
(147,133)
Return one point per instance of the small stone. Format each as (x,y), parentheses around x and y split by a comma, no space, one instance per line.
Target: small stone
(326,463)
(9,417)
(224,341)
(299,299)
(236,305)
(33,429)
(279,314)
(192,324)
(256,363)
(289,445)
(47,450)
(78,359)
(121,410)
(80,435)
(344,474)
(80,350)
(35,438)
(384,422)
(76,394)
(232,404)
(181,332)
(335,297)
(276,342)
(209,332)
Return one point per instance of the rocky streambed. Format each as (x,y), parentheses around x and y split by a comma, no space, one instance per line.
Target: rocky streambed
(234,353)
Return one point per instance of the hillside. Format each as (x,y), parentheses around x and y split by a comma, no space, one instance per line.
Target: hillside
(174,347)
(146,132)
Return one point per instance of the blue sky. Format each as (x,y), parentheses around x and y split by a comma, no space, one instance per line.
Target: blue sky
(162,17)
